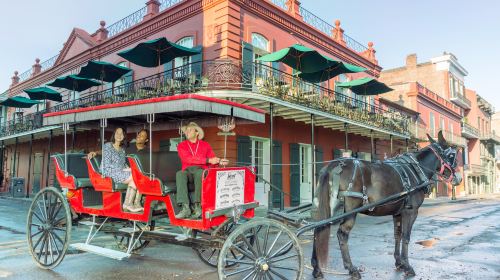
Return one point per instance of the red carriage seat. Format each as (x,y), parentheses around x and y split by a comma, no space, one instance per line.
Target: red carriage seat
(76,175)
(165,165)
(101,183)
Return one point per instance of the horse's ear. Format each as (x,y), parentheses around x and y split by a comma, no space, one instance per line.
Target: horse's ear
(442,142)
(430,139)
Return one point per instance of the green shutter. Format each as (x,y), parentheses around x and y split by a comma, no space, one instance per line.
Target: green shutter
(294,174)
(244,150)
(167,67)
(277,173)
(337,153)
(165,145)
(319,161)
(247,64)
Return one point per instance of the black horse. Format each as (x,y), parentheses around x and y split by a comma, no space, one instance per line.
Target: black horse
(360,182)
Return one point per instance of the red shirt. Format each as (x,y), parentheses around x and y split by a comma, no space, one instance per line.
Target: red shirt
(195,154)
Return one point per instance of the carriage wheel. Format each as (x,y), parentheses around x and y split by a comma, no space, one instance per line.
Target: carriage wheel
(49,227)
(275,252)
(210,256)
(123,240)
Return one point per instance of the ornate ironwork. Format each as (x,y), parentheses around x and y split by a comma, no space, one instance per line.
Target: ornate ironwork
(126,22)
(233,75)
(165,4)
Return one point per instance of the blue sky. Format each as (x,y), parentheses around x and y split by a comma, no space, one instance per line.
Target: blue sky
(469,29)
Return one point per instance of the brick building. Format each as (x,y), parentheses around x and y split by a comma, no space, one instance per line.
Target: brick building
(436,90)
(230,34)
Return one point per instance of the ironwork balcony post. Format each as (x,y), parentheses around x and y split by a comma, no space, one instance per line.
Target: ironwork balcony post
(15,159)
(29,167)
(313,150)
(372,145)
(48,159)
(346,127)
(73,135)
(271,124)
(390,137)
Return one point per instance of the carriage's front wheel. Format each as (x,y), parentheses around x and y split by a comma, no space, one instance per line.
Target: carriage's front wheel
(271,250)
(49,228)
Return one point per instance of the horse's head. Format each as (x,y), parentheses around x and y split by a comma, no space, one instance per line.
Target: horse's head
(447,157)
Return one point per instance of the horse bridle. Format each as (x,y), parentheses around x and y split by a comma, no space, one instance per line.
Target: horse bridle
(445,165)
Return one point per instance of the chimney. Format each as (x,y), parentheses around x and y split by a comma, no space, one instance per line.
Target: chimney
(411,60)
(153,8)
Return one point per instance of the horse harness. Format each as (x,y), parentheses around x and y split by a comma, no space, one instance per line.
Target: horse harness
(406,166)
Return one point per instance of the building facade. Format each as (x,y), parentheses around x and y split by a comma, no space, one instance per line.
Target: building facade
(230,34)
(436,90)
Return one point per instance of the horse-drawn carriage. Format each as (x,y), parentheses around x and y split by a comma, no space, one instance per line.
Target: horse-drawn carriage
(227,235)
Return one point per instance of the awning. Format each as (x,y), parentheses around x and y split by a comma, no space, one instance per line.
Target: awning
(299,57)
(170,104)
(366,86)
(18,102)
(42,93)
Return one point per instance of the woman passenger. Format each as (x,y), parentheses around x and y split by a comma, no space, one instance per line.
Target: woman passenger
(113,165)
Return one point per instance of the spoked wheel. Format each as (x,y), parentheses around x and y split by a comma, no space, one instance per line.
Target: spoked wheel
(210,256)
(275,252)
(123,240)
(49,228)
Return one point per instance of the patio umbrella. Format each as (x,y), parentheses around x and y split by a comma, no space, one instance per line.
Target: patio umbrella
(299,57)
(43,93)
(74,83)
(156,52)
(18,102)
(333,69)
(103,71)
(365,86)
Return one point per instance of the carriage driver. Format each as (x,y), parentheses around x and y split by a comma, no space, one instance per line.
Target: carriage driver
(196,155)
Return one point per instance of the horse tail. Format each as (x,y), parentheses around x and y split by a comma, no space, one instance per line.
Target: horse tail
(321,211)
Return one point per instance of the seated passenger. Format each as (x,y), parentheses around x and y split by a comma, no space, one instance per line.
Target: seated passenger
(114,165)
(196,155)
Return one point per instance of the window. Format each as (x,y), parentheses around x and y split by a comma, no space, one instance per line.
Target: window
(187,42)
(441,123)
(451,87)
(341,79)
(121,81)
(173,143)
(260,47)
(432,124)
(258,158)
(451,131)
(304,164)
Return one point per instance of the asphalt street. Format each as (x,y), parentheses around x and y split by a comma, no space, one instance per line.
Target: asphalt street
(451,240)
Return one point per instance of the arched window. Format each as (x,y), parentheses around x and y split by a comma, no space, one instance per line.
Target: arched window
(122,80)
(187,42)
(260,44)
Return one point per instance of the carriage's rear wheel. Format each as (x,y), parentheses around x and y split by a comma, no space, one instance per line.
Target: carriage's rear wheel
(123,240)
(49,228)
(271,251)
(210,256)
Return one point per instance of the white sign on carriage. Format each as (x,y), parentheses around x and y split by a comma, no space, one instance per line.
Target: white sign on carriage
(230,188)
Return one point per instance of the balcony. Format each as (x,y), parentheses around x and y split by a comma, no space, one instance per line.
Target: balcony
(477,169)
(469,131)
(490,137)
(461,101)
(230,78)
(419,133)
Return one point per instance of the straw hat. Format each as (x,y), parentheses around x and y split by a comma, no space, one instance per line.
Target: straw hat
(198,129)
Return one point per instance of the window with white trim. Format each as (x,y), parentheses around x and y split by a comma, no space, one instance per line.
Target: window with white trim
(187,42)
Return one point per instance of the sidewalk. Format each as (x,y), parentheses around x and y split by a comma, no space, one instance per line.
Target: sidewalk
(464,199)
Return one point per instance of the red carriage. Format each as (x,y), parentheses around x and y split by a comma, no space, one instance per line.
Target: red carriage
(227,236)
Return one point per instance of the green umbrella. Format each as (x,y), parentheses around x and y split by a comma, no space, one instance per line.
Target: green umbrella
(103,71)
(74,82)
(156,52)
(365,86)
(18,102)
(299,57)
(42,93)
(333,69)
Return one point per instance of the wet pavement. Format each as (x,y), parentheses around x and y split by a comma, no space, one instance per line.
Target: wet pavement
(450,240)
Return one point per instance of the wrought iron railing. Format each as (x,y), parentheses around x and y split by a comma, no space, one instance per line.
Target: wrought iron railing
(461,98)
(321,25)
(22,124)
(44,66)
(126,22)
(252,77)
(470,130)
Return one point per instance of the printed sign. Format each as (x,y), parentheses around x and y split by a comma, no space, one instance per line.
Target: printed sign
(230,188)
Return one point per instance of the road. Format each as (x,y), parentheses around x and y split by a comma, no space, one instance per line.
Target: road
(450,240)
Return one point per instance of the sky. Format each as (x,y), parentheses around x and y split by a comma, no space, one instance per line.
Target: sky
(469,29)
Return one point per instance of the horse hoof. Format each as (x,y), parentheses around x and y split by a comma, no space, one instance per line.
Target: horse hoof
(355,275)
(409,272)
(399,267)
(317,274)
